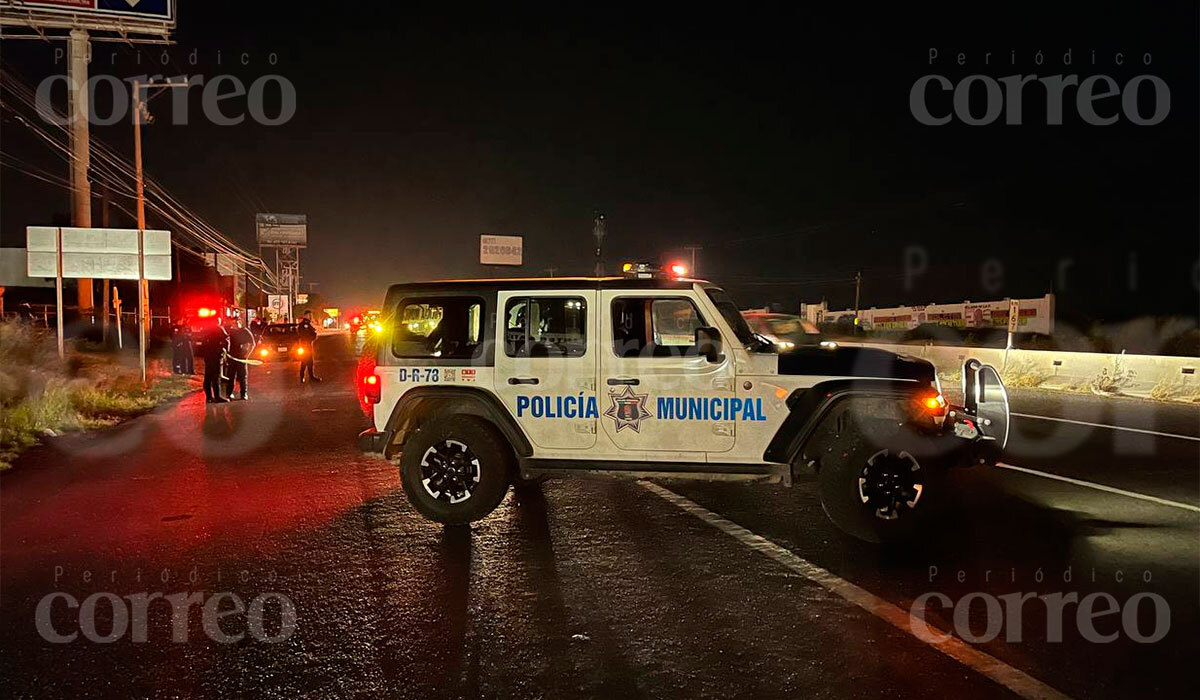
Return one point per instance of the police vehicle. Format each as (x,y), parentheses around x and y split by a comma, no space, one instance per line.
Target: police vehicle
(476,385)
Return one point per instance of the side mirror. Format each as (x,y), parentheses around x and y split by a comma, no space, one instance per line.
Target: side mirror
(708,344)
(985,397)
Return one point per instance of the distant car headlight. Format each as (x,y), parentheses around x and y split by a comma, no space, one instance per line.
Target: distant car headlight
(784,344)
(828,344)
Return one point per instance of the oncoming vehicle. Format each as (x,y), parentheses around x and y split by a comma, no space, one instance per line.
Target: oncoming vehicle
(786,331)
(655,377)
(280,341)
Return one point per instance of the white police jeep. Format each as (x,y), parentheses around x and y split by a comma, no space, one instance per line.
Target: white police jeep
(479,384)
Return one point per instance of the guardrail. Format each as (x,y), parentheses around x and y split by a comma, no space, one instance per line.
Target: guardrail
(1160,376)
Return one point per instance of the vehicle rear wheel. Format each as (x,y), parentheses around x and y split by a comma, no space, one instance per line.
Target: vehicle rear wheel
(881,493)
(456,470)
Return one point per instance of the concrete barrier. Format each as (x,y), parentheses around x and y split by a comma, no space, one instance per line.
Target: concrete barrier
(1166,376)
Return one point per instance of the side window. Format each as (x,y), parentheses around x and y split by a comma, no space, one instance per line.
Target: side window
(650,327)
(438,327)
(545,327)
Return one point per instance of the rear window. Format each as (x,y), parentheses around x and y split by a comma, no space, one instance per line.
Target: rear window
(439,327)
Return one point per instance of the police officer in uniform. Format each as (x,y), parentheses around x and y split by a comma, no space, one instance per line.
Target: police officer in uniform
(216,344)
(241,347)
(182,358)
(308,337)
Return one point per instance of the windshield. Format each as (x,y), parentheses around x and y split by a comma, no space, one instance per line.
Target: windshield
(729,311)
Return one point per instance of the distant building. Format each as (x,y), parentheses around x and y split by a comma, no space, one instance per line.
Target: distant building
(1036,315)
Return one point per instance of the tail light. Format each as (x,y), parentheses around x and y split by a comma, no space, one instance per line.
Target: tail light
(369,386)
(932,403)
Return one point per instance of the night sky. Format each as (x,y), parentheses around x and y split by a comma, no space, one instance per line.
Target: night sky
(781,141)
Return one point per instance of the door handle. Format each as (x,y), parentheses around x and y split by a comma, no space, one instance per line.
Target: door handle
(613,381)
(522,380)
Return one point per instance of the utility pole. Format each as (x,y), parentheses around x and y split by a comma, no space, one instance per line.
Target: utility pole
(857,294)
(81,189)
(140,112)
(693,249)
(104,304)
(143,288)
(599,230)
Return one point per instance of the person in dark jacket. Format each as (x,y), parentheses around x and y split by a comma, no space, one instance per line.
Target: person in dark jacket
(183,359)
(216,344)
(241,348)
(308,337)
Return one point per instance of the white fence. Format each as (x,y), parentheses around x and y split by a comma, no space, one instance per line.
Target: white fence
(1062,369)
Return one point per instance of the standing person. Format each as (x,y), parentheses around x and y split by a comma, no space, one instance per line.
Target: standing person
(241,347)
(308,337)
(216,344)
(183,359)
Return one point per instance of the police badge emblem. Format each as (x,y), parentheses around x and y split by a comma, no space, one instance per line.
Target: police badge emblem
(628,409)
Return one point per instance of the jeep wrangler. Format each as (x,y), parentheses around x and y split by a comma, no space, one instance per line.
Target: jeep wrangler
(478,385)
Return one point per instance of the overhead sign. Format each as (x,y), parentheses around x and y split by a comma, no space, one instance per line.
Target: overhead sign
(500,250)
(157,11)
(286,230)
(97,253)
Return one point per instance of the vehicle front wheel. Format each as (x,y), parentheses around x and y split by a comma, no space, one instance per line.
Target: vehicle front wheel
(881,492)
(456,470)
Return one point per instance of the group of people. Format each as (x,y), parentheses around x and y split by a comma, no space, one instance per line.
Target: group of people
(228,354)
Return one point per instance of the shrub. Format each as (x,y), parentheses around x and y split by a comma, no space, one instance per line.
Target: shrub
(1112,380)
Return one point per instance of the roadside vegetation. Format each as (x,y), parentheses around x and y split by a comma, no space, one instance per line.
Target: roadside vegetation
(42,396)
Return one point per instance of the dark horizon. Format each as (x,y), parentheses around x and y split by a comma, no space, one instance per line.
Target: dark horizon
(782,145)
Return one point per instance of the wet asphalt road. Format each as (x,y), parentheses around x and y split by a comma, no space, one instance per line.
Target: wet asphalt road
(580,588)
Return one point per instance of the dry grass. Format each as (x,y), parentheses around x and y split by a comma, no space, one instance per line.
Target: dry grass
(1174,389)
(1023,374)
(41,395)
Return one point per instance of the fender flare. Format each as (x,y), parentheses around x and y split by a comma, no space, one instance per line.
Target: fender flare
(807,408)
(423,402)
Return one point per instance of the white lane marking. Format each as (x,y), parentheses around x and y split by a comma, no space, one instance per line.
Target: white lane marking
(1101,487)
(1018,682)
(1110,427)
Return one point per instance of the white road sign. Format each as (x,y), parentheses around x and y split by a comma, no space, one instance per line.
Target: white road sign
(280,304)
(500,250)
(97,253)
